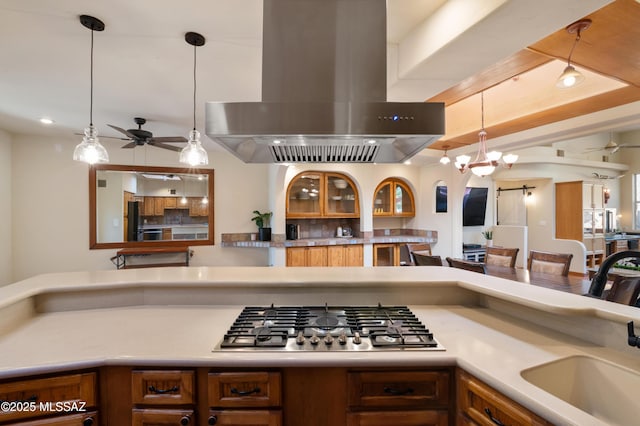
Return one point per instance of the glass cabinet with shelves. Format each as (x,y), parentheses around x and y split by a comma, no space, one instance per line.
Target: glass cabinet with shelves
(393,197)
(322,194)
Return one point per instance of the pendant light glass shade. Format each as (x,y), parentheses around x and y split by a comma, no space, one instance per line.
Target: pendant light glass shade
(90,150)
(445,158)
(194,154)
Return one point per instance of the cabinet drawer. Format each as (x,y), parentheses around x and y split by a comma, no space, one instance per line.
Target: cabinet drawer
(84,419)
(78,388)
(244,389)
(399,418)
(480,403)
(162,387)
(159,417)
(399,389)
(245,417)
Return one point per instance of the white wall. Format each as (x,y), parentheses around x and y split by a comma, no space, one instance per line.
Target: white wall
(50,199)
(6,268)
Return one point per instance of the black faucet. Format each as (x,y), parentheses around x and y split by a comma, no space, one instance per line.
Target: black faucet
(599,280)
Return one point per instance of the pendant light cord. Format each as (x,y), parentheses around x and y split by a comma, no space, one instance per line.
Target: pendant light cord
(194,87)
(91,85)
(482,110)
(575,43)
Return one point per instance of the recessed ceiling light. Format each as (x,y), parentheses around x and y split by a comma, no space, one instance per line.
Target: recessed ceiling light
(46,120)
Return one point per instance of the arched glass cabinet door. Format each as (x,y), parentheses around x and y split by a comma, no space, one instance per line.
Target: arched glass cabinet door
(304,196)
(393,197)
(314,194)
(342,197)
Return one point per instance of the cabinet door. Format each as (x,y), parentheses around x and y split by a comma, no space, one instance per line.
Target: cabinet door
(587,196)
(170,202)
(149,206)
(245,417)
(336,256)
(385,255)
(598,196)
(303,196)
(403,204)
(316,256)
(296,256)
(353,255)
(245,389)
(341,199)
(158,206)
(167,387)
(399,418)
(382,200)
(485,406)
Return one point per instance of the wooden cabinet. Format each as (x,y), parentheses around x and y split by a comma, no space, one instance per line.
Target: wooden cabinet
(479,404)
(74,390)
(335,255)
(89,418)
(198,207)
(580,215)
(149,206)
(399,398)
(393,197)
(170,202)
(163,397)
(390,254)
(245,398)
(322,194)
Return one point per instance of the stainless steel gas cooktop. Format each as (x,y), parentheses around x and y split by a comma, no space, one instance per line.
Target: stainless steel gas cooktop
(328,328)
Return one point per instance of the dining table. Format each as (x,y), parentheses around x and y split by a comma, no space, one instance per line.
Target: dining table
(576,284)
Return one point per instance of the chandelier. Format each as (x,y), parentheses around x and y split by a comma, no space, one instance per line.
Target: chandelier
(485,162)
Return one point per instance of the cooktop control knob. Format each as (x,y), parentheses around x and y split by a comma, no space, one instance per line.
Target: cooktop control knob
(342,339)
(300,338)
(328,339)
(314,339)
(356,338)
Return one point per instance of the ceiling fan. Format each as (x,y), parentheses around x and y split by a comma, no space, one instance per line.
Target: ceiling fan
(140,137)
(603,177)
(611,147)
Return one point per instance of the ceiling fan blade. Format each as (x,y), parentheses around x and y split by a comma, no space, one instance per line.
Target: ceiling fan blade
(168,139)
(130,145)
(164,146)
(123,131)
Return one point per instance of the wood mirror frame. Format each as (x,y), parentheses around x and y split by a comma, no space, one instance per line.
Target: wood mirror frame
(93,173)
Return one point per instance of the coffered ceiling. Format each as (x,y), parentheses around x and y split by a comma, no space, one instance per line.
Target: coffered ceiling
(447,50)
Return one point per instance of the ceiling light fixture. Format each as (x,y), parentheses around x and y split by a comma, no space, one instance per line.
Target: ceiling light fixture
(445,158)
(485,162)
(46,120)
(570,76)
(194,154)
(90,150)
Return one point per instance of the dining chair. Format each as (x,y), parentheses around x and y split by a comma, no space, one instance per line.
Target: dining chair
(624,290)
(423,248)
(426,260)
(501,256)
(465,264)
(549,263)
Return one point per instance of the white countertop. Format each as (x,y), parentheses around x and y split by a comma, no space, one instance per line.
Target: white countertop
(491,327)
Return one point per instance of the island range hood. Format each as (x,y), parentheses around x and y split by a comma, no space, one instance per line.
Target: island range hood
(324,92)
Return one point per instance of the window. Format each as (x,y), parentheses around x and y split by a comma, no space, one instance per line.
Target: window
(636,201)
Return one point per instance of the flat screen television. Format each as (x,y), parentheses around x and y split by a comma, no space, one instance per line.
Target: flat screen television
(474,206)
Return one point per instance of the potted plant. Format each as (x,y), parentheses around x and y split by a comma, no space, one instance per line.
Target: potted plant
(263,222)
(488,235)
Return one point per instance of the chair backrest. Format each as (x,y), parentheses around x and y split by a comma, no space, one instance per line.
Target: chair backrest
(423,248)
(625,291)
(501,256)
(426,260)
(549,263)
(465,264)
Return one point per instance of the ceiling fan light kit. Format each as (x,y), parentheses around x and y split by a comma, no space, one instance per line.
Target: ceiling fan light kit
(90,150)
(571,77)
(485,162)
(194,154)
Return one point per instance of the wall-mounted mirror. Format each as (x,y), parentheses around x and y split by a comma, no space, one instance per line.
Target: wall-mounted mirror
(137,206)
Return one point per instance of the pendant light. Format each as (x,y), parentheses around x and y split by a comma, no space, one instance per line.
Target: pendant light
(485,162)
(194,154)
(90,150)
(445,158)
(570,76)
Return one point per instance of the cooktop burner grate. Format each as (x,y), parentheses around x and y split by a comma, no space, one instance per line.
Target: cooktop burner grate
(328,328)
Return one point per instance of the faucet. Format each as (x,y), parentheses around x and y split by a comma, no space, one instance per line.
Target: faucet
(600,278)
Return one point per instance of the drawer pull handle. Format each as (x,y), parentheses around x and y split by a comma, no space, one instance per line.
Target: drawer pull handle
(88,421)
(185,420)
(245,393)
(212,420)
(392,391)
(493,419)
(153,389)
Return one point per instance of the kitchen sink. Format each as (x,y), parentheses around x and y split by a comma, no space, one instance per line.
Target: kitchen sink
(604,390)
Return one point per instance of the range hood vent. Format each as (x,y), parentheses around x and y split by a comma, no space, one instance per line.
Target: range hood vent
(324,92)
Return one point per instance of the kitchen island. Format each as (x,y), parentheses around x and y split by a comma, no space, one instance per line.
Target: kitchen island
(173,318)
